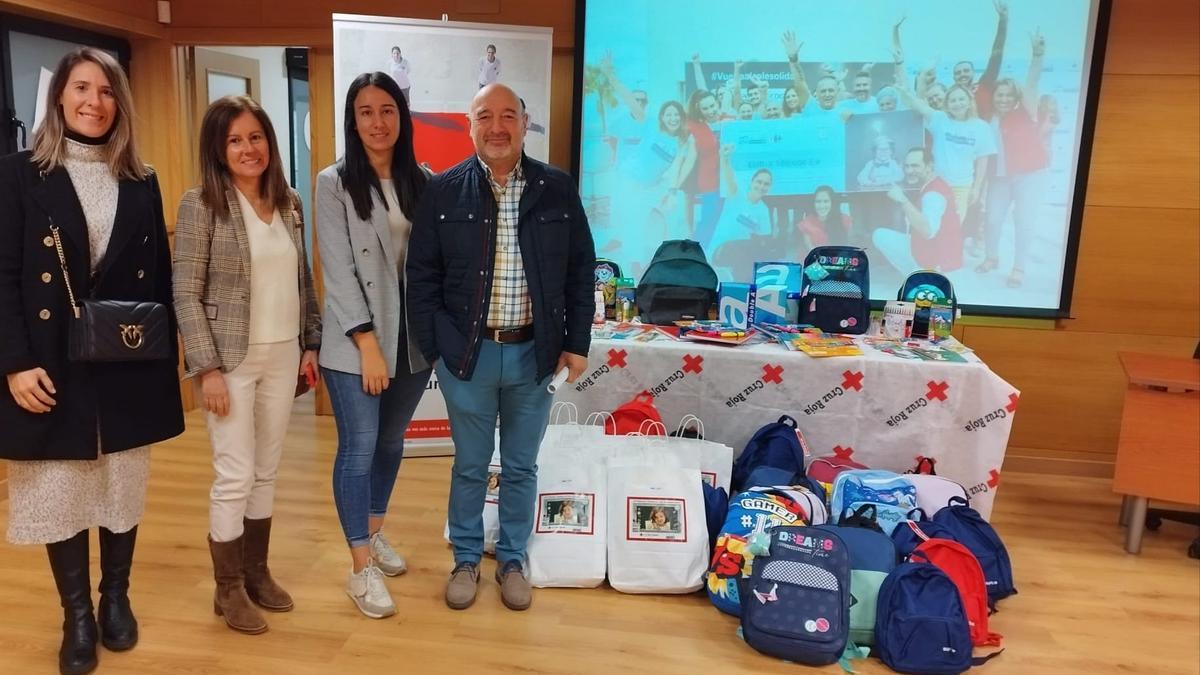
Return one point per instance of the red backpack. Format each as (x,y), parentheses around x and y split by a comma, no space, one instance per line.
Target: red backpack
(963,569)
(634,416)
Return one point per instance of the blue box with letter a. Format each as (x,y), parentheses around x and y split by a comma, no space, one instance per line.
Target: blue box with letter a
(736,305)
(784,273)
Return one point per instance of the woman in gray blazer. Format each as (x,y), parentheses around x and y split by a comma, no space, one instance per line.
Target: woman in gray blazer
(373,369)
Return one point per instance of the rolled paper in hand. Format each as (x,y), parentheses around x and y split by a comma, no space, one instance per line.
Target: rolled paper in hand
(559,378)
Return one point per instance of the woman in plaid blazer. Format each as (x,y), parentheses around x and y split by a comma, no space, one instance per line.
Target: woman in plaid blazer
(248,315)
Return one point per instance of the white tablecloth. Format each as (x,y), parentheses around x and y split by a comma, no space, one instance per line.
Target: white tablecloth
(879,409)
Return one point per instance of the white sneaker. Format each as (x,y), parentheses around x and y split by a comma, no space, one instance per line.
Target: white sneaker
(368,591)
(385,557)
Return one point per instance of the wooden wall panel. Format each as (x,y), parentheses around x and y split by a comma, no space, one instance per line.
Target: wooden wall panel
(127,18)
(1138,272)
(1071,384)
(323,153)
(1154,37)
(309,15)
(1147,146)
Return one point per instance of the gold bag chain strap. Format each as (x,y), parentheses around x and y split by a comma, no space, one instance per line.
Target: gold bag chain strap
(62,262)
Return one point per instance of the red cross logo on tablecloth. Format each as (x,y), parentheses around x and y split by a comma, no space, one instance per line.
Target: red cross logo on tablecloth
(852,380)
(843,453)
(1012,402)
(772,374)
(691,364)
(937,391)
(616,358)
(994,480)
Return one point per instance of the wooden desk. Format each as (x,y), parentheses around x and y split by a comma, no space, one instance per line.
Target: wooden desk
(1158,456)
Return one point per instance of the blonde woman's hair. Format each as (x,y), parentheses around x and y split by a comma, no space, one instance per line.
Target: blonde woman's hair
(50,139)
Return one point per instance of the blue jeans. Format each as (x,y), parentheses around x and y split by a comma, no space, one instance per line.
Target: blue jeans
(504,383)
(370,444)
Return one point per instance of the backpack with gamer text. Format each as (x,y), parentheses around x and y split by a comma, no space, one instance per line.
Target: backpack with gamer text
(750,512)
(925,288)
(835,290)
(778,444)
(635,416)
(971,530)
(963,569)
(920,622)
(677,284)
(796,603)
(872,558)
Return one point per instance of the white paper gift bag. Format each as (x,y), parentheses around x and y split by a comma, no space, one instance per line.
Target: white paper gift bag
(567,547)
(657,534)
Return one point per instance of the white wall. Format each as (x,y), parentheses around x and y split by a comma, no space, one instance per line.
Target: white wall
(273,89)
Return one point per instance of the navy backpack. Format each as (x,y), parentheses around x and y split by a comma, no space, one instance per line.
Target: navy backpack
(796,603)
(775,445)
(677,284)
(835,290)
(716,505)
(911,533)
(921,624)
(968,528)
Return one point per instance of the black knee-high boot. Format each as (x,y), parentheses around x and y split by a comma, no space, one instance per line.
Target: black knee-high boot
(118,627)
(69,562)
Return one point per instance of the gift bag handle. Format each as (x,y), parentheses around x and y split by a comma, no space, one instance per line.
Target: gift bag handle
(683,422)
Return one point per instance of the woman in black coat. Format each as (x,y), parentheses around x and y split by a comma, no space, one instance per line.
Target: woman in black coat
(78,433)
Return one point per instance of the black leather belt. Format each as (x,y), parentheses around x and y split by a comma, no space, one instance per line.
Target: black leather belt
(509,335)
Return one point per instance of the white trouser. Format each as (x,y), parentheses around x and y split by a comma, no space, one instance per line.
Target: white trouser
(247,443)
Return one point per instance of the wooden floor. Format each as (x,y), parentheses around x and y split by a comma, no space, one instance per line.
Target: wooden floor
(1084,605)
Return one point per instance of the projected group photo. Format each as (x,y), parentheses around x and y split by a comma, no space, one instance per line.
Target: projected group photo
(939,134)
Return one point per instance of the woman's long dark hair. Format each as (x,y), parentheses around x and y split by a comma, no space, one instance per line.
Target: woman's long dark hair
(835,206)
(358,178)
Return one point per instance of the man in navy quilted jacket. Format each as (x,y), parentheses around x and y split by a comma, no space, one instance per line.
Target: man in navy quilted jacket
(500,291)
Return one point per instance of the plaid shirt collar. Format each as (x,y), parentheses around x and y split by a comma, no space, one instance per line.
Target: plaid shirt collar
(517,174)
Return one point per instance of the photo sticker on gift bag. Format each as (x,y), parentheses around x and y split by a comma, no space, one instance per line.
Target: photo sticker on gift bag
(656,519)
(493,485)
(566,513)
(709,477)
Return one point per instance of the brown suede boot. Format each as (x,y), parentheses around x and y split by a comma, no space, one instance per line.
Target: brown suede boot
(261,588)
(230,599)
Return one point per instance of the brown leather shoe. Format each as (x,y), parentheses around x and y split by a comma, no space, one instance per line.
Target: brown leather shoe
(230,600)
(261,588)
(515,591)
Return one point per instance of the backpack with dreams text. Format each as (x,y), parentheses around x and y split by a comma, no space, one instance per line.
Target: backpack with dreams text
(963,569)
(971,530)
(797,601)
(677,284)
(835,291)
(872,558)
(778,444)
(920,622)
(925,288)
